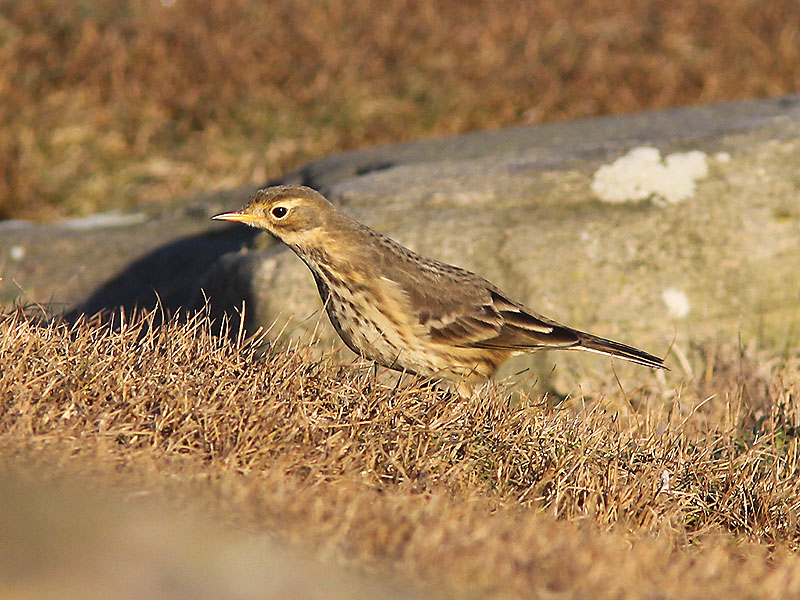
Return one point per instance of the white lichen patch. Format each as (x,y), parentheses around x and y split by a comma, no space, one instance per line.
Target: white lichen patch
(16,252)
(677,302)
(722,157)
(641,174)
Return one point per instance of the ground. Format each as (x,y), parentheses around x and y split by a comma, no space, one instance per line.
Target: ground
(685,486)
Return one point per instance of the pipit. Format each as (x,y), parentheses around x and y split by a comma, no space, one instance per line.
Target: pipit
(405,311)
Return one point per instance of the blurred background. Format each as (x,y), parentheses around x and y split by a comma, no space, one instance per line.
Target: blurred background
(107,104)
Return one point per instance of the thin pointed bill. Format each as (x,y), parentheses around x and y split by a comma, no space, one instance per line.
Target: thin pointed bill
(237,216)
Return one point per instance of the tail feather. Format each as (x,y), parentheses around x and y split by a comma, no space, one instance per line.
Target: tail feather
(600,345)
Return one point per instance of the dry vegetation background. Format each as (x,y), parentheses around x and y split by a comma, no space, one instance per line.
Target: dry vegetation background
(686,487)
(104,104)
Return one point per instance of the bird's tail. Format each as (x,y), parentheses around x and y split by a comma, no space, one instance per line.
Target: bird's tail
(592,343)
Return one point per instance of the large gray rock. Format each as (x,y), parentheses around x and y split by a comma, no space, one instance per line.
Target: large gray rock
(712,249)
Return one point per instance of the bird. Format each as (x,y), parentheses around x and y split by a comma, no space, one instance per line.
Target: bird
(403,310)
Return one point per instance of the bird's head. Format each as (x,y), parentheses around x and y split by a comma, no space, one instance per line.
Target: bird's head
(292,213)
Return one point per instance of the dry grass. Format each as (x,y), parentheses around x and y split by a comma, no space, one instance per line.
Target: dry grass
(685,488)
(104,104)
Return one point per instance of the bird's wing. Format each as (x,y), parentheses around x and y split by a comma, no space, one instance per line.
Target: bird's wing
(458,308)
(498,323)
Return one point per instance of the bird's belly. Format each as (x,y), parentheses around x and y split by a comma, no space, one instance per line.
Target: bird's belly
(371,333)
(368,333)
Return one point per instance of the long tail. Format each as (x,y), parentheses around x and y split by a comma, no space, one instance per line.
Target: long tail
(592,343)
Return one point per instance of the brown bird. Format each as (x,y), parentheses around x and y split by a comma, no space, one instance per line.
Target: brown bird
(405,311)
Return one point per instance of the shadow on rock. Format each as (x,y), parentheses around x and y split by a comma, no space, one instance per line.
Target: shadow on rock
(171,277)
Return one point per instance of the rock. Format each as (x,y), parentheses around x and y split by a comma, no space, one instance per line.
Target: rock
(77,537)
(680,224)
(105,261)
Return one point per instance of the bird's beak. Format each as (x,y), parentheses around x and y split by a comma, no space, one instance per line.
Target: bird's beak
(237,216)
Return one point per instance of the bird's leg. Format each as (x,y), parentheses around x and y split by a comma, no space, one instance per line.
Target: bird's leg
(466,390)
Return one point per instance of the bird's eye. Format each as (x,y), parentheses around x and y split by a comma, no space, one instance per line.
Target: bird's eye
(279,212)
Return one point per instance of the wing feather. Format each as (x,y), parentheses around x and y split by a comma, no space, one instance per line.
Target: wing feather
(499,323)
